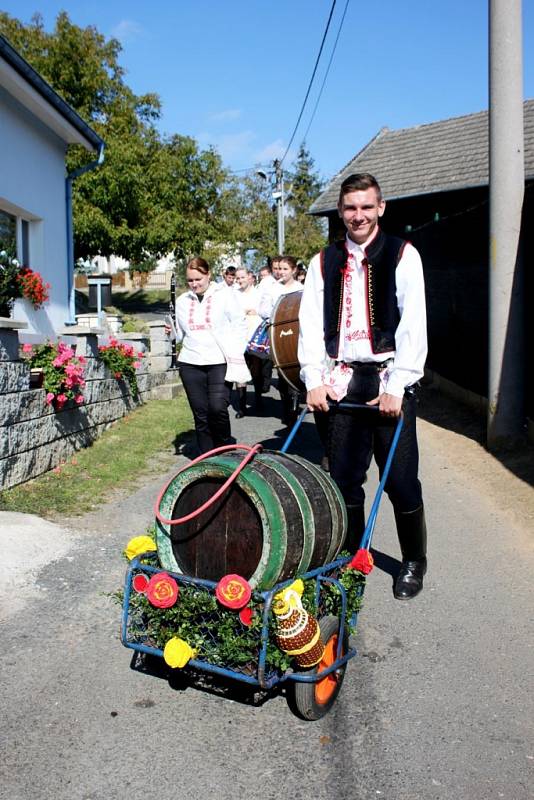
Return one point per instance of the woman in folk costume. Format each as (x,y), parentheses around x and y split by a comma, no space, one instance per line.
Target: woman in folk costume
(286,283)
(211,326)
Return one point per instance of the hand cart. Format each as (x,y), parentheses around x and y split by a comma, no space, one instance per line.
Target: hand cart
(313,691)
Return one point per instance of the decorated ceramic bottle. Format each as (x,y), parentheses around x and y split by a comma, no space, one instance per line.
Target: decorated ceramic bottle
(297,632)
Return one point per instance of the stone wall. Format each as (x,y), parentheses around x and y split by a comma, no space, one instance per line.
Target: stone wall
(35,438)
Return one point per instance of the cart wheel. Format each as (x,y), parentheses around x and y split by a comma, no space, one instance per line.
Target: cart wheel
(313,700)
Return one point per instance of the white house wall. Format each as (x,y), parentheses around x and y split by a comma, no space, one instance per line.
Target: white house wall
(32,186)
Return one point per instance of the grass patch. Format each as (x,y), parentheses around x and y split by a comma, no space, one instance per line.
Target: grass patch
(120,456)
(142,300)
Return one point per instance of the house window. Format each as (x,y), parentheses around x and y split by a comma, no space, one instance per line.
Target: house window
(8,233)
(25,242)
(15,236)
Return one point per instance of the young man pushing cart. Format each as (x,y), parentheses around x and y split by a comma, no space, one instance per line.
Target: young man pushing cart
(363,339)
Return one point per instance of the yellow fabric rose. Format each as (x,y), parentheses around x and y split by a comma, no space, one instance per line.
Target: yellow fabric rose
(288,597)
(177,653)
(138,545)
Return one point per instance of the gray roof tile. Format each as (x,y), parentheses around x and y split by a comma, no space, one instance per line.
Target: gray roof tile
(436,157)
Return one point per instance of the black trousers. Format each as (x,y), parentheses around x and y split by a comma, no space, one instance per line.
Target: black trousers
(355,436)
(290,401)
(256,368)
(208,395)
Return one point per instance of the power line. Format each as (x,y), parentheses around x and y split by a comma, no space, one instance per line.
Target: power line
(310,84)
(327,71)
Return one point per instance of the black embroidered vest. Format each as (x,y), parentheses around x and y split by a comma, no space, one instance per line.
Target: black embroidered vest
(380,262)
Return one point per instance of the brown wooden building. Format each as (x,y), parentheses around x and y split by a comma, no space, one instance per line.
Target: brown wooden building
(435,180)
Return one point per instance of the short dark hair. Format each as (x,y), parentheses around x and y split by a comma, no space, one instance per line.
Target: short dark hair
(359,182)
(230,270)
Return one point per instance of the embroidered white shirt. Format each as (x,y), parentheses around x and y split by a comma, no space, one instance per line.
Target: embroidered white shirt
(355,343)
(201,325)
(273,292)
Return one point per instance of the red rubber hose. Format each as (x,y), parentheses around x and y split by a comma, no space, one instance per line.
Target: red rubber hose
(250,455)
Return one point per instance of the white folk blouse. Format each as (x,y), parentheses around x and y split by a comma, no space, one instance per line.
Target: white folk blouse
(203,326)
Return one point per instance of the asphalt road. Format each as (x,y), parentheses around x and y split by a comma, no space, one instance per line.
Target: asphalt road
(439,703)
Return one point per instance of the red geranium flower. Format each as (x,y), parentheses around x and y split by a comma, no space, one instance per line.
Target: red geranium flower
(362,561)
(162,590)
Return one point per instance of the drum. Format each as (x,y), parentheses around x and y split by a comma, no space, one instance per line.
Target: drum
(284,338)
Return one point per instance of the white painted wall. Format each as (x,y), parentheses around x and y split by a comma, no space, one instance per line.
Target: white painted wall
(32,185)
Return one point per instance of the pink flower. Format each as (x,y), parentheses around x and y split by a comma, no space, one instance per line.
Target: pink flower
(136,364)
(82,360)
(49,397)
(79,399)
(117,375)
(65,350)
(27,348)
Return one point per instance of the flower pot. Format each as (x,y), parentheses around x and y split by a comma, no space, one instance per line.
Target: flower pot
(36,378)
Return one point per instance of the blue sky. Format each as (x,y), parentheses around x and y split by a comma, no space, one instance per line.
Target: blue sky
(233,74)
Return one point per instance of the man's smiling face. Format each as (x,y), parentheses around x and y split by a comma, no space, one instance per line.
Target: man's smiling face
(360,211)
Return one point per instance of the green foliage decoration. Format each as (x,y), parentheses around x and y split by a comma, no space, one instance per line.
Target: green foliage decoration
(218,634)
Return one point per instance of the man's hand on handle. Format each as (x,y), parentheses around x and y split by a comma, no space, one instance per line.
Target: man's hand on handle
(317,399)
(388,404)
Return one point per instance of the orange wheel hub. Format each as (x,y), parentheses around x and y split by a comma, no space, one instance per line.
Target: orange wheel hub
(325,688)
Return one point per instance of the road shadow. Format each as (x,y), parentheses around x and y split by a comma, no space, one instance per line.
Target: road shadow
(188,679)
(385,563)
(453,415)
(306,442)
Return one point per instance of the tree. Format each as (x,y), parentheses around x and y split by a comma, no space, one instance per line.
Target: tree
(151,195)
(305,235)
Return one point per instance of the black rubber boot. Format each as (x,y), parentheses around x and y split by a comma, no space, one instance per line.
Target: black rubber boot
(355,528)
(242,401)
(411,529)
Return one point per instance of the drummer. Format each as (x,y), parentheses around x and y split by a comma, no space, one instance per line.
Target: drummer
(287,270)
(363,337)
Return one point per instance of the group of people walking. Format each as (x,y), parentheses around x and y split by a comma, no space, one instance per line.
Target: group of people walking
(215,322)
(362,340)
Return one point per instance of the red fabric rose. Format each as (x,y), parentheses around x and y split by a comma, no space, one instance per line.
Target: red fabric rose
(162,590)
(140,582)
(362,561)
(233,591)
(245,615)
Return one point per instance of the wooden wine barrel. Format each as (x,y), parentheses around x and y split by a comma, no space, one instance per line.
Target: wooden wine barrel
(284,338)
(281,517)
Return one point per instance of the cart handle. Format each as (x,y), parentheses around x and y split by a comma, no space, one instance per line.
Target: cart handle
(332,404)
(371,522)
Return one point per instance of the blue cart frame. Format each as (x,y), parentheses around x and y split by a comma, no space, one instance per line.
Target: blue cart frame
(264,678)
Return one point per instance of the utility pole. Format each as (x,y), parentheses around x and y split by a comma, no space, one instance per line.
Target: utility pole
(507,182)
(278,195)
